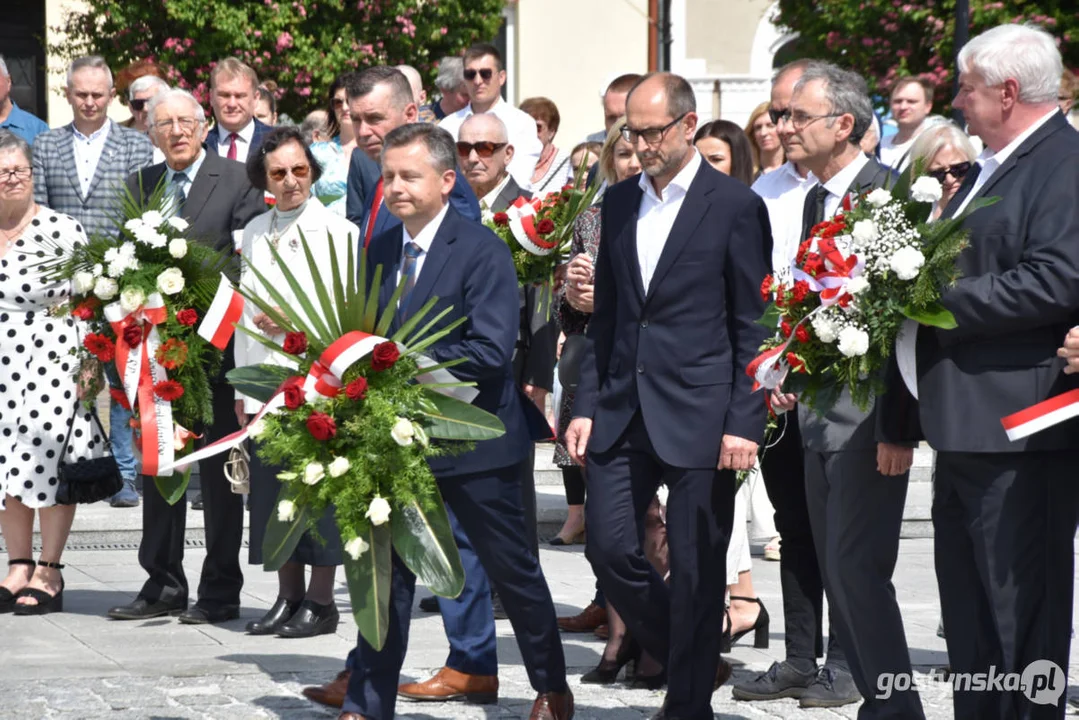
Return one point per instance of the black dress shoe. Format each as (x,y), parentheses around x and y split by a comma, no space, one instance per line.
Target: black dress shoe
(831,688)
(143,609)
(310,620)
(274,618)
(781,680)
(429,603)
(202,615)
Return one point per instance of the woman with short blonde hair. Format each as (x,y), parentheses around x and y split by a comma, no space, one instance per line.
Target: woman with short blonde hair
(943,152)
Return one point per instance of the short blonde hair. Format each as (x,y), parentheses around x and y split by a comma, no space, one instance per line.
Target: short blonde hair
(231,67)
(935,139)
(606,154)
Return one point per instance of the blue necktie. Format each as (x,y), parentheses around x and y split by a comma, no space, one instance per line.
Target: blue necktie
(178,181)
(409,272)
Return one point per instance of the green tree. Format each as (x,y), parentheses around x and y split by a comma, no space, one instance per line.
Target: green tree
(888,39)
(301,45)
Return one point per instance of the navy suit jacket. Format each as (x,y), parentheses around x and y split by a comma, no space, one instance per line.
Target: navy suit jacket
(470,269)
(678,353)
(363,175)
(214,137)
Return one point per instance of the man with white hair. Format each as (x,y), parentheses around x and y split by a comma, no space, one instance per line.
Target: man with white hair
(14,118)
(140,93)
(451,83)
(1004,510)
(214,195)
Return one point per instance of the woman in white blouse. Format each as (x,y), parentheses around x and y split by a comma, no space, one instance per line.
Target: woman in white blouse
(285,167)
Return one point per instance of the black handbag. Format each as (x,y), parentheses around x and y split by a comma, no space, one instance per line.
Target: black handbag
(89,480)
(569,363)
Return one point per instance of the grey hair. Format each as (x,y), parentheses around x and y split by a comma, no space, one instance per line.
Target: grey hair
(3,67)
(89,61)
(451,74)
(846,93)
(144,83)
(170,93)
(441,149)
(10,141)
(316,121)
(935,139)
(1023,53)
(504,134)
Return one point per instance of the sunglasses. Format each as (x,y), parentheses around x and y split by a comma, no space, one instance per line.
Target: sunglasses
(138,105)
(957,171)
(298,171)
(483,148)
(485,73)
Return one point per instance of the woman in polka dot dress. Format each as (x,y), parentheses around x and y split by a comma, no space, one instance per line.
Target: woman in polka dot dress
(38,389)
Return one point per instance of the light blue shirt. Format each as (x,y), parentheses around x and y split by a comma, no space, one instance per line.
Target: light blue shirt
(191,171)
(24,124)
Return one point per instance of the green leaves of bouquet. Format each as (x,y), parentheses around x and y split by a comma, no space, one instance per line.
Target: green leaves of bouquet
(362,449)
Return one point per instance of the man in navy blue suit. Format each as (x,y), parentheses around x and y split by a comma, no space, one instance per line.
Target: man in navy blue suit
(663,395)
(438,253)
(233,91)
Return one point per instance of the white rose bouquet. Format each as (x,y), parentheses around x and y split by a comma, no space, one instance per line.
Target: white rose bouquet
(856,280)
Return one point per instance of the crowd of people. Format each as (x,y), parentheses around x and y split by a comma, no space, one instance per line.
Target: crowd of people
(639,368)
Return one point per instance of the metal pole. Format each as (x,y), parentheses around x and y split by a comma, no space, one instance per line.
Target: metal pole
(665,36)
(962,34)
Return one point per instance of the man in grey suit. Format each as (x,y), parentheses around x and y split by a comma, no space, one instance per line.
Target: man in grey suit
(857,463)
(79,169)
(216,198)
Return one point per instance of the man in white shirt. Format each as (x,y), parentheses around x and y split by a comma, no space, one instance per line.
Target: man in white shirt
(911,103)
(233,91)
(485,77)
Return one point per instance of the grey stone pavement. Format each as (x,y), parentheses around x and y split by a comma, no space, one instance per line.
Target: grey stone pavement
(79,664)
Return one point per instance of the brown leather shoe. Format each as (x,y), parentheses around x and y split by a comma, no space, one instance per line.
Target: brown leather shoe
(553,706)
(332,694)
(449,684)
(588,620)
(723,673)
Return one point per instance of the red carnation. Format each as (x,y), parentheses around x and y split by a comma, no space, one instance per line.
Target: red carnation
(294,393)
(800,290)
(85,309)
(357,389)
(133,335)
(169,390)
(797,364)
(384,356)
(785,328)
(801,334)
(813,264)
(802,250)
(545,227)
(295,343)
(781,296)
(766,288)
(187,317)
(172,354)
(321,426)
(100,347)
(501,219)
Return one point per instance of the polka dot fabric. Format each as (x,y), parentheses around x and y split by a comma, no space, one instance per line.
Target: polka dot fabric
(38,398)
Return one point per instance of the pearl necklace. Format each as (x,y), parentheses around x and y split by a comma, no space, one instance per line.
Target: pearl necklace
(276,235)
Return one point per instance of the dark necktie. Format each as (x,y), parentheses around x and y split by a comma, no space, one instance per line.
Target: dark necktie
(409,272)
(178,181)
(813,210)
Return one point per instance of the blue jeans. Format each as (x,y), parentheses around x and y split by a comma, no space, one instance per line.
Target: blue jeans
(121,441)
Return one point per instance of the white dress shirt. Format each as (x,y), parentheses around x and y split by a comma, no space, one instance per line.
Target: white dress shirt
(784,193)
(88,153)
(840,183)
(990,162)
(521,128)
(487,202)
(243,141)
(657,214)
(424,239)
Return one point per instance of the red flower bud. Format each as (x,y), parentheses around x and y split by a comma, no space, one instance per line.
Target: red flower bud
(357,389)
(321,426)
(295,343)
(384,356)
(187,317)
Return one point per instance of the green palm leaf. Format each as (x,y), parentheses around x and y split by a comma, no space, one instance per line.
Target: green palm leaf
(292,320)
(173,487)
(329,313)
(339,297)
(371,311)
(452,419)
(259,382)
(282,537)
(424,541)
(313,318)
(369,584)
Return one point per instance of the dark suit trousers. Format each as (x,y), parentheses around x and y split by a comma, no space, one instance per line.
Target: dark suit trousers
(783,469)
(488,507)
(161,552)
(682,623)
(469,619)
(1004,530)
(857,514)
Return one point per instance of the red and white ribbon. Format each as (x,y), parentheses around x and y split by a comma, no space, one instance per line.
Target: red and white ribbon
(219,323)
(522,214)
(1042,416)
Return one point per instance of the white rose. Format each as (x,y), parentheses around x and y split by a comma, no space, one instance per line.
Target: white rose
(170,281)
(356,546)
(178,223)
(106,288)
(906,262)
(379,511)
(286,511)
(857,285)
(853,341)
(403,432)
(133,225)
(339,467)
(98,270)
(131,299)
(313,473)
(84,282)
(178,248)
(879,197)
(864,231)
(153,219)
(256,429)
(926,189)
(824,328)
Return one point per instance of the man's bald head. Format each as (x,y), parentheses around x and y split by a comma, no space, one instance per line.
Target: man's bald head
(419,95)
(484,126)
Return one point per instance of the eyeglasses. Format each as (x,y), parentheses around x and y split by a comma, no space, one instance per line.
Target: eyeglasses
(187,124)
(651,136)
(19,173)
(483,148)
(138,105)
(485,73)
(798,119)
(957,171)
(298,171)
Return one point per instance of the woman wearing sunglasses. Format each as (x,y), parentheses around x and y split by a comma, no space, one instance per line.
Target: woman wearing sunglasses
(947,154)
(335,154)
(285,166)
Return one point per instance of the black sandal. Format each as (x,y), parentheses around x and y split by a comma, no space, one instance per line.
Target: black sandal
(46,603)
(7,598)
